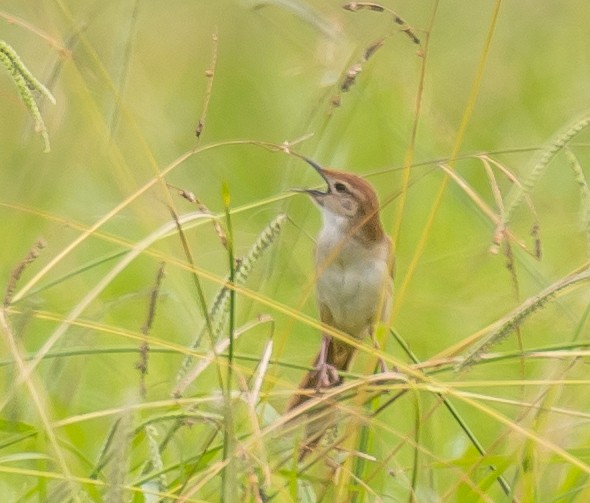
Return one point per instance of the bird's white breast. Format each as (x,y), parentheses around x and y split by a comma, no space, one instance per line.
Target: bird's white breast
(353,279)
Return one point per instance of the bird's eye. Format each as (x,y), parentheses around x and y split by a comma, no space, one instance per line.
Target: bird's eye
(340,187)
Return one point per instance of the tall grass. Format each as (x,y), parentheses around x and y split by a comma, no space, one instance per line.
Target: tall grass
(159,309)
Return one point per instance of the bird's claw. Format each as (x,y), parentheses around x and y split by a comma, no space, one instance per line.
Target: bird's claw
(326,376)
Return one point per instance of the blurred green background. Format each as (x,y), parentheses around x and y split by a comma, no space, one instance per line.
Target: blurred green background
(130,83)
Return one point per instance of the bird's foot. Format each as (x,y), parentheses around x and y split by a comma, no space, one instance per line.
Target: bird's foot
(326,376)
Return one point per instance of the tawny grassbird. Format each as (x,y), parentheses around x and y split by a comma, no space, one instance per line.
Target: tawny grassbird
(354,271)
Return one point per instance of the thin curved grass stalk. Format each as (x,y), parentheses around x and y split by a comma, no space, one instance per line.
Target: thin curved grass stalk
(94,229)
(229,476)
(154,454)
(359,463)
(416,457)
(220,308)
(210,74)
(546,156)
(500,232)
(104,455)
(459,137)
(411,147)
(584,193)
(258,378)
(39,399)
(202,303)
(179,420)
(454,413)
(480,203)
(506,325)
(206,360)
(539,408)
(65,322)
(232,293)
(119,465)
(305,12)
(252,398)
(144,347)
(125,52)
(26,84)
(580,328)
(201,366)
(497,193)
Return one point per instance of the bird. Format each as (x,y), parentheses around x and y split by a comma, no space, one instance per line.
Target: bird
(354,265)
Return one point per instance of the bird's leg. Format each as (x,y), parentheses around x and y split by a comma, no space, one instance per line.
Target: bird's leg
(326,374)
(382,365)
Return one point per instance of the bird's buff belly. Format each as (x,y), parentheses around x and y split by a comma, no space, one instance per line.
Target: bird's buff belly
(354,296)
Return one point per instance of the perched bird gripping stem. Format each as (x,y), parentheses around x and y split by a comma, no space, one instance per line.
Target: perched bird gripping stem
(354,270)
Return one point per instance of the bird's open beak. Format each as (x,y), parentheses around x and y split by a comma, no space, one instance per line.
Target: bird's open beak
(313,192)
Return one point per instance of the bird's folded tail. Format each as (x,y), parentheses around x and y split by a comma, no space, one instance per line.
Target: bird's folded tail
(338,357)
